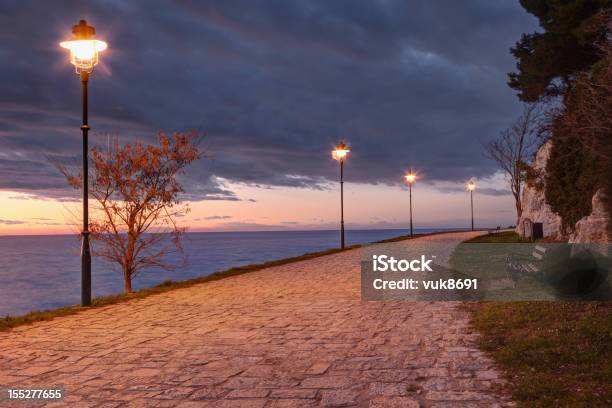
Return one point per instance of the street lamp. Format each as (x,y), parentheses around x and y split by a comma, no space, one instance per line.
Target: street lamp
(84,55)
(410,178)
(340,153)
(471,186)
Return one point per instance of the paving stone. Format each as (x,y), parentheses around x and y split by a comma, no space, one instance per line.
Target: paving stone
(241,403)
(387,389)
(194,404)
(293,393)
(393,402)
(248,393)
(290,403)
(329,381)
(318,368)
(339,398)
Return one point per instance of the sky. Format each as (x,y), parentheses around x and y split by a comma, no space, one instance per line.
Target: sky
(271,86)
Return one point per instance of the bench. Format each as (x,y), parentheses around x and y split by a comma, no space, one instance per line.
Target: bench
(494,231)
(527,265)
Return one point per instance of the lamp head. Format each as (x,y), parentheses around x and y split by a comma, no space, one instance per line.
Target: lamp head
(471,185)
(84,49)
(410,177)
(340,153)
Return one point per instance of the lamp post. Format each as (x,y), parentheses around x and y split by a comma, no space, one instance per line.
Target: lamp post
(410,178)
(84,55)
(340,153)
(471,186)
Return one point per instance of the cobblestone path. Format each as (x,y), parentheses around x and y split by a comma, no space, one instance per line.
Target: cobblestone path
(295,335)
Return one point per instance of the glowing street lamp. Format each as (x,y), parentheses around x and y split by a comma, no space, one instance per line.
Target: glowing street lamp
(84,55)
(84,49)
(410,179)
(340,153)
(471,186)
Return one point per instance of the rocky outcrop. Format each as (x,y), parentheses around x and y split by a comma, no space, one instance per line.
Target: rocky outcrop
(534,204)
(594,227)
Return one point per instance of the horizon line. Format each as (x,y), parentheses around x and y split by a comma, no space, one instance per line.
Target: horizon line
(467,228)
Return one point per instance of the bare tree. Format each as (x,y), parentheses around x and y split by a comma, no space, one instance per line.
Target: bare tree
(137,199)
(513,148)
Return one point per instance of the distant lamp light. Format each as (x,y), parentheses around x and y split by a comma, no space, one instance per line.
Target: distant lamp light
(84,49)
(410,177)
(340,153)
(471,186)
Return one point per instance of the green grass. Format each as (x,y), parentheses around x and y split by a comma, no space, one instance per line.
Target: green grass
(9,322)
(504,237)
(404,237)
(554,354)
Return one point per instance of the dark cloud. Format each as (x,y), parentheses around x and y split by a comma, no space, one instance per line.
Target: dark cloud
(251,226)
(272,85)
(38,221)
(481,190)
(218,217)
(494,192)
(12,222)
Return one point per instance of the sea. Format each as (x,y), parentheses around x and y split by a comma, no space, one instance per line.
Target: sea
(43,272)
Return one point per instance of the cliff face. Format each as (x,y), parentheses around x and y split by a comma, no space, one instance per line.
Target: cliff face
(593,228)
(534,204)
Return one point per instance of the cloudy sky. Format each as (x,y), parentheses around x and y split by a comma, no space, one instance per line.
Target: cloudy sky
(272,85)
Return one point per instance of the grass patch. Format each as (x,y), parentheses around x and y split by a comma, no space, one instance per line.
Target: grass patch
(504,237)
(405,237)
(9,322)
(554,354)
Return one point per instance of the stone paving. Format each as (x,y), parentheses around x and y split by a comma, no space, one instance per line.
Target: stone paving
(295,335)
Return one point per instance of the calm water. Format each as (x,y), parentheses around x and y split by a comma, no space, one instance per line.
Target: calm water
(43,272)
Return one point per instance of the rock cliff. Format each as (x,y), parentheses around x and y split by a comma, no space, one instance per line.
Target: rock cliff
(592,228)
(534,204)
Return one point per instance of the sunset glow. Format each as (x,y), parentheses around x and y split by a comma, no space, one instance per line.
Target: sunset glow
(280,208)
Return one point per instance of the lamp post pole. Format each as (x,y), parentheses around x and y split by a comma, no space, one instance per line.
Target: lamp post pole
(340,153)
(85,247)
(471,186)
(410,178)
(472,207)
(84,55)
(410,189)
(342,204)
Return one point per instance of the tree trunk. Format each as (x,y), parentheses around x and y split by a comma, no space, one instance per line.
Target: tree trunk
(127,282)
(519,209)
(516,192)
(129,257)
